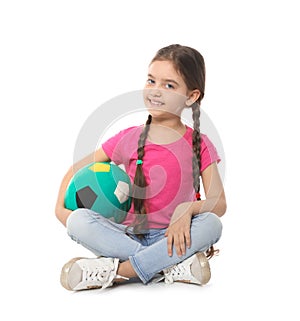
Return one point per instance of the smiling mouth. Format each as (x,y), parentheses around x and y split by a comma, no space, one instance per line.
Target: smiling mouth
(155,103)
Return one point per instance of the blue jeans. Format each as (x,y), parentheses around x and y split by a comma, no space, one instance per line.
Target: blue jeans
(148,255)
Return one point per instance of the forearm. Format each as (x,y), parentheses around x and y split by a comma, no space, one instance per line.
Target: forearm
(62,214)
(60,211)
(214,205)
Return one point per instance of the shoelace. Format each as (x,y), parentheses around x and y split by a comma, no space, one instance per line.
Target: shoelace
(177,272)
(102,277)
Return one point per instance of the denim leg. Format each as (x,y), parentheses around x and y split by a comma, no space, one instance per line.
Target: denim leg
(206,229)
(101,236)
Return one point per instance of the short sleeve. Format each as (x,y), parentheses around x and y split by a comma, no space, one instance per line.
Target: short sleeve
(118,147)
(208,153)
(112,148)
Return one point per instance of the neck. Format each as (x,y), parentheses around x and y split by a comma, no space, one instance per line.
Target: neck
(174,123)
(165,131)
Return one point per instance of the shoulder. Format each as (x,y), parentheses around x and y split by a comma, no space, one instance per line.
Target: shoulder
(205,141)
(128,132)
(123,137)
(122,143)
(131,129)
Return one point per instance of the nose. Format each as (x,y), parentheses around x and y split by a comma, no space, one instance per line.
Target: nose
(155,92)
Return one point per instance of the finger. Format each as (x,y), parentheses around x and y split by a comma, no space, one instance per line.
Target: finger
(170,245)
(188,239)
(179,244)
(182,244)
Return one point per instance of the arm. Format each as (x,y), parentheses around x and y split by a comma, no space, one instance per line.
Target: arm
(215,201)
(178,232)
(61,212)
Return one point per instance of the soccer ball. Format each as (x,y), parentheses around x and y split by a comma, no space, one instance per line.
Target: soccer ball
(102,187)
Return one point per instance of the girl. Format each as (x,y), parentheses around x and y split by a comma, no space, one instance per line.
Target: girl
(169,230)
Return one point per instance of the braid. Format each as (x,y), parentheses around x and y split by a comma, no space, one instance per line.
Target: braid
(196,148)
(142,139)
(139,193)
(210,252)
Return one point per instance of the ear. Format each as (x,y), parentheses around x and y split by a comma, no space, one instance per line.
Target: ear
(192,97)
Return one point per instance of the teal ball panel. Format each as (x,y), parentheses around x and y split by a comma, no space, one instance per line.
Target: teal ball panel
(102,187)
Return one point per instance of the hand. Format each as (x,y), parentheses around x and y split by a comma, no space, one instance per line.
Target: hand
(178,232)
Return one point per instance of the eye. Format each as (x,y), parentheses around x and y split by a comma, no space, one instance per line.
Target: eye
(150,81)
(169,86)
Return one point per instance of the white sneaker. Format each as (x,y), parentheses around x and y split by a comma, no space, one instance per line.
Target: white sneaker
(194,269)
(83,273)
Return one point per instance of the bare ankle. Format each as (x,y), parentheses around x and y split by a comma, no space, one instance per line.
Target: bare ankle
(125,270)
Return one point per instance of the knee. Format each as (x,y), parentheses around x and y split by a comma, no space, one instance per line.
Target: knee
(216,225)
(211,223)
(77,221)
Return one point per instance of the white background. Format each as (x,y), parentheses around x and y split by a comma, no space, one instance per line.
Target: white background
(60,60)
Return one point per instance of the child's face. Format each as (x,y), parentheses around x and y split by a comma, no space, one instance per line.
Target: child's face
(165,89)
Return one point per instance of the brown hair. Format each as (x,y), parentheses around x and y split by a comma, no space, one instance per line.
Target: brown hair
(189,63)
(139,191)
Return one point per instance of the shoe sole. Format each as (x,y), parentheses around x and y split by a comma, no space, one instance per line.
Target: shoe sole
(201,268)
(65,272)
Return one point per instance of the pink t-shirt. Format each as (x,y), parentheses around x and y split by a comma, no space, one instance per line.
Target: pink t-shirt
(167,169)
